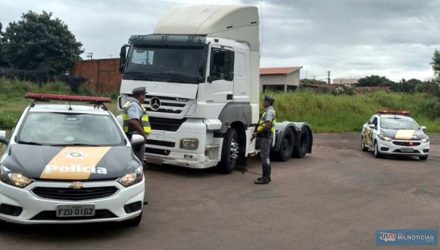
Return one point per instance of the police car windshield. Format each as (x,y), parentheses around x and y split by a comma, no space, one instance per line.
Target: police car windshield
(398,123)
(41,128)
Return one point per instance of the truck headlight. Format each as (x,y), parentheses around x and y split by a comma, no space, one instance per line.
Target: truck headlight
(425,140)
(189,143)
(132,178)
(14,179)
(385,138)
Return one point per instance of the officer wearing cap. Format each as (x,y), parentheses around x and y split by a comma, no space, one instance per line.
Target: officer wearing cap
(265,131)
(135,118)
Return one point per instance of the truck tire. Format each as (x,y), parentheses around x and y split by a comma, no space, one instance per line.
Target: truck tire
(286,146)
(230,151)
(423,157)
(303,144)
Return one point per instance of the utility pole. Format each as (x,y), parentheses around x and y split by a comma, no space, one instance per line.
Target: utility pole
(90,55)
(328,76)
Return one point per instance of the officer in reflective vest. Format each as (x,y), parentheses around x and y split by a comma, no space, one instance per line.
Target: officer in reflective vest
(135,118)
(266,131)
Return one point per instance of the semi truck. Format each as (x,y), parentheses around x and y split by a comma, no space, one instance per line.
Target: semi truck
(201,69)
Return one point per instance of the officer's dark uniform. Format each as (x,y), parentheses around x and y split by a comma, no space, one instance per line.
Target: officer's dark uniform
(133,109)
(266,139)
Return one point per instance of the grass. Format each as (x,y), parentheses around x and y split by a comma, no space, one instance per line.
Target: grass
(12,101)
(347,113)
(325,112)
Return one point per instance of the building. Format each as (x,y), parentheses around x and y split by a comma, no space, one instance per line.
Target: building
(346,81)
(103,76)
(279,79)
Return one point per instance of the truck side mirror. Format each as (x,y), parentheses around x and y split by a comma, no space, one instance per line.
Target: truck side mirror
(209,79)
(423,128)
(123,58)
(372,126)
(3,138)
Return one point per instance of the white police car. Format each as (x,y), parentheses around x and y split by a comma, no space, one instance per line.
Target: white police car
(394,133)
(69,164)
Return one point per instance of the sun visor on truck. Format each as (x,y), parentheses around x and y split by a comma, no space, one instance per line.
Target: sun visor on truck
(168,40)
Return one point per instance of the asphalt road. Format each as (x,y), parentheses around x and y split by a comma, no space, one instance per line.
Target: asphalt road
(333,199)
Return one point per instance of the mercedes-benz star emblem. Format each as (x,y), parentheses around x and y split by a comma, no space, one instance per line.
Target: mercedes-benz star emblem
(155,103)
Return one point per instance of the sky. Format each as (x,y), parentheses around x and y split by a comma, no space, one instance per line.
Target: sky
(351,38)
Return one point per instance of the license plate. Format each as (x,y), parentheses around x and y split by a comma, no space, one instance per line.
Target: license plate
(407,150)
(75,211)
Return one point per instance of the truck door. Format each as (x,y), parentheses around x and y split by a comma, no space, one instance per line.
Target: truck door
(220,84)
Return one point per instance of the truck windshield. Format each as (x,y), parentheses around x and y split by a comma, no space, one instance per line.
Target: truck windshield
(65,129)
(166,64)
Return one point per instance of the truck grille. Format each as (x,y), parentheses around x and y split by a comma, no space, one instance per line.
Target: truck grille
(161,143)
(170,105)
(166,124)
(74,194)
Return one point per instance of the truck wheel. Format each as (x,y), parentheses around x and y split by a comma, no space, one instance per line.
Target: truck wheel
(423,157)
(230,152)
(363,147)
(133,222)
(286,146)
(303,144)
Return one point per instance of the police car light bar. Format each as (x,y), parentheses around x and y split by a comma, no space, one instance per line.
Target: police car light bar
(394,112)
(72,98)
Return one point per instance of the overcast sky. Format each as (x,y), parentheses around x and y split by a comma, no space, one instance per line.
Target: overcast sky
(351,38)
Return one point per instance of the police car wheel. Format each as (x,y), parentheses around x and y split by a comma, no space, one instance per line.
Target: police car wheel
(230,151)
(423,157)
(377,154)
(364,148)
(134,222)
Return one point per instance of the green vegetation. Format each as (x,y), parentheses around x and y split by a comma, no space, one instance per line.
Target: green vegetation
(347,113)
(326,112)
(12,101)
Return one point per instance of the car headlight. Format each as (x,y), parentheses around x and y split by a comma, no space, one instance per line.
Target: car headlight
(189,143)
(385,138)
(425,140)
(132,178)
(14,179)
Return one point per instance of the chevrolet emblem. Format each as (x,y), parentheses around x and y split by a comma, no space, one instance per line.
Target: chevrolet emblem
(76,185)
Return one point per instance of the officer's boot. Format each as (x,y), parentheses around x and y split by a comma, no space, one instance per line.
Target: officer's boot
(269,169)
(264,179)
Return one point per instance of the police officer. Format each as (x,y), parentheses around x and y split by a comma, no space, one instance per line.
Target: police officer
(265,131)
(135,119)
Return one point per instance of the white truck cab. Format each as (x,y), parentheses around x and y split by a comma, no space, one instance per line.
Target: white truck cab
(201,71)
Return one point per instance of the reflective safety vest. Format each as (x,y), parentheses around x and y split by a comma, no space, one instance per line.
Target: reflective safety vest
(126,120)
(262,124)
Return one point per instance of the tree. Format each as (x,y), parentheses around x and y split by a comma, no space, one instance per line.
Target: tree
(312,81)
(37,41)
(406,86)
(2,62)
(374,80)
(436,63)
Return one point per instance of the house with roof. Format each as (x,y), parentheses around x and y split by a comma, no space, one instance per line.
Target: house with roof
(279,79)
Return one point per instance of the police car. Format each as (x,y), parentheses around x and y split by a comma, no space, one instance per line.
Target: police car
(395,133)
(69,164)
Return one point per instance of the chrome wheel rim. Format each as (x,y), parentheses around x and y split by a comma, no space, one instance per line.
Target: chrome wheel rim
(234,149)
